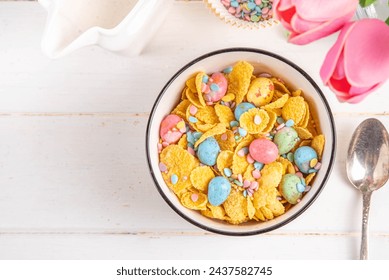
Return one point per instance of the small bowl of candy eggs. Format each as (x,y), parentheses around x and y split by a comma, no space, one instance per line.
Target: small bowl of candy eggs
(252,14)
(240,141)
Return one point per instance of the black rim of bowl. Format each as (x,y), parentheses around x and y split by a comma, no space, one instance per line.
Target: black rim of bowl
(291,218)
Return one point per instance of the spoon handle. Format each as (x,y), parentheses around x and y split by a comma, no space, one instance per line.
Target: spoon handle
(365,223)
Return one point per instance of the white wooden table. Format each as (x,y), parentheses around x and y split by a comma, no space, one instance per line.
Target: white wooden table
(74,182)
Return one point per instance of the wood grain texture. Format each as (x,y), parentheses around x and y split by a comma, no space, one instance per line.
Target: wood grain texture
(73,175)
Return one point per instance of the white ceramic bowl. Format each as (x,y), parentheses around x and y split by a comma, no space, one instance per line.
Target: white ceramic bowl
(262,61)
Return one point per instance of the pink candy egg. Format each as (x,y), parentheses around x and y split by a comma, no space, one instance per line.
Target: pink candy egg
(218,87)
(263,150)
(172,128)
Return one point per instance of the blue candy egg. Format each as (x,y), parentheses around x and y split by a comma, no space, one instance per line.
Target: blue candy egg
(303,157)
(242,108)
(218,190)
(207,151)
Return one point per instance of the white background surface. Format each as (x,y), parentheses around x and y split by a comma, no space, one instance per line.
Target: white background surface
(74,182)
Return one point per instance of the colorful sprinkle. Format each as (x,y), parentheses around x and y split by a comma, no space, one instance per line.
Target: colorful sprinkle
(289,123)
(193,110)
(194,197)
(300,188)
(258,165)
(234,123)
(236,182)
(242,132)
(228,70)
(257,120)
(224,137)
(192,119)
(250,159)
(174,179)
(317,166)
(313,162)
(162,167)
(256,174)
(205,79)
(227,172)
(214,87)
(246,184)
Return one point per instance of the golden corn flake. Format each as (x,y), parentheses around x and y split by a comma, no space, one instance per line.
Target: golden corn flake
(200,177)
(277,208)
(294,109)
(271,175)
(228,97)
(236,207)
(297,92)
(280,86)
(254,120)
(250,208)
(305,119)
(179,163)
(279,103)
(264,196)
(305,143)
(203,127)
(239,163)
(218,212)
(194,201)
(193,98)
(309,178)
(303,133)
(191,84)
(224,114)
(199,83)
(183,143)
(267,213)
(218,129)
(287,166)
(259,215)
(248,174)
(207,115)
(224,160)
(226,141)
(181,108)
(318,144)
(272,121)
(239,80)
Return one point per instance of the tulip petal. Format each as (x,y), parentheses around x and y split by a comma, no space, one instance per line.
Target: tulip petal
(322,10)
(319,32)
(331,60)
(366,56)
(301,25)
(282,5)
(286,15)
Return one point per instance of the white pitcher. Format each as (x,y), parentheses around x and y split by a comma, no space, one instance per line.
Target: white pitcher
(123,26)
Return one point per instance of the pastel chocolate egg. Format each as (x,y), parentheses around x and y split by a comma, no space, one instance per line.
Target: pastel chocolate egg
(217,87)
(263,150)
(172,128)
(285,139)
(303,157)
(207,151)
(242,108)
(219,189)
(289,189)
(261,91)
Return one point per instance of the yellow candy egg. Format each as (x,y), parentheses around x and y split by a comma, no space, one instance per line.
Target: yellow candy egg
(261,91)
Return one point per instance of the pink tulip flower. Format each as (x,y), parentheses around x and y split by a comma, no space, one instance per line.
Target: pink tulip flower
(358,63)
(309,20)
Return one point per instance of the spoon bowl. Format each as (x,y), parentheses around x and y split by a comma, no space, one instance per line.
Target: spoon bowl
(368,166)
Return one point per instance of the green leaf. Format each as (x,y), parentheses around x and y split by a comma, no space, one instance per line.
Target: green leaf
(387,21)
(365,3)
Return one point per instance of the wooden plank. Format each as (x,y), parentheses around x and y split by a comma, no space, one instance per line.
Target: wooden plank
(94,80)
(145,246)
(89,174)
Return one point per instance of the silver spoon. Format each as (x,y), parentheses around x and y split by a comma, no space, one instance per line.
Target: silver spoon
(368,166)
